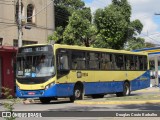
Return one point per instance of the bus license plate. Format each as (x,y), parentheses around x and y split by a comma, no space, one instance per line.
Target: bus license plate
(31,93)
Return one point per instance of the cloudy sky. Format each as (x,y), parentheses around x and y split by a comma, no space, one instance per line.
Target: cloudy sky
(144,10)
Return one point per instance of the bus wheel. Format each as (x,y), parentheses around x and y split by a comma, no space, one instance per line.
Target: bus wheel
(78,94)
(97,96)
(126,90)
(45,100)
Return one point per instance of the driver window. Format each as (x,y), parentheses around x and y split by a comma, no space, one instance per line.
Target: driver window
(63,62)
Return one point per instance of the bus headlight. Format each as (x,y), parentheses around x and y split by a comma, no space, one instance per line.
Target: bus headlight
(46,87)
(49,85)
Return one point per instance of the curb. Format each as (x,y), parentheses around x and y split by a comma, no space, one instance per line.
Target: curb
(149,90)
(118,102)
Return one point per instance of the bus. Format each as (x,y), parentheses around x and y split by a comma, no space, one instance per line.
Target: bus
(75,72)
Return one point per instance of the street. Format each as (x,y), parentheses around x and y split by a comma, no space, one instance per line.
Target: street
(66,105)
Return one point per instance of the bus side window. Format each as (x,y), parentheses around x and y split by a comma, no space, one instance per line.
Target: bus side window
(130,62)
(119,62)
(137,63)
(63,62)
(114,65)
(93,60)
(145,63)
(78,60)
(141,62)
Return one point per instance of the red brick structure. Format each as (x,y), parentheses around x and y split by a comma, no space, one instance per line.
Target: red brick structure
(7,66)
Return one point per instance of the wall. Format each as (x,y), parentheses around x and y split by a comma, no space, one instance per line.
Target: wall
(7,70)
(44,22)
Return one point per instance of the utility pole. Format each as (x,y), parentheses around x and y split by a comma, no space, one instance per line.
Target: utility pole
(19,23)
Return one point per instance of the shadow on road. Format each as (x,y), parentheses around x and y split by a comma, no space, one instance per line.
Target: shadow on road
(148,106)
(53,102)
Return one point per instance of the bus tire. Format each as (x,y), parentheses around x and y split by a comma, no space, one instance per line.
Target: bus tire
(45,100)
(97,96)
(78,93)
(126,90)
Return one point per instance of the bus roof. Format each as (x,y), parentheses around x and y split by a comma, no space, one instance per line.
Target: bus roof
(98,49)
(90,48)
(150,51)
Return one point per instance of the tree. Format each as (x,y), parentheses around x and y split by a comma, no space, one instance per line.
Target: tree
(114,26)
(61,16)
(65,8)
(57,35)
(79,31)
(136,43)
(149,45)
(68,29)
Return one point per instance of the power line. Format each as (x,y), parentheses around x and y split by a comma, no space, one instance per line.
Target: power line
(52,1)
(150,37)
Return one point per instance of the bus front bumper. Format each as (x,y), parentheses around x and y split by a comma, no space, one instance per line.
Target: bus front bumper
(35,93)
(57,90)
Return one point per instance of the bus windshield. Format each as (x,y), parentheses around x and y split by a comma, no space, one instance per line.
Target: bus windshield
(35,65)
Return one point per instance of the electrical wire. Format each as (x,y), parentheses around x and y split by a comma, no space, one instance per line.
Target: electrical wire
(52,1)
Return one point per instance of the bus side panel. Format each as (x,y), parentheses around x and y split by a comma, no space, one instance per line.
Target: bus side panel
(65,89)
(103,87)
(141,82)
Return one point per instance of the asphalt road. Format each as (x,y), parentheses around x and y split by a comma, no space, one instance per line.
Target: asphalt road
(65,105)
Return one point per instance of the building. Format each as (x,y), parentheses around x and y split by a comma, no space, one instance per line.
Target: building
(36,14)
(154,61)
(41,22)
(7,66)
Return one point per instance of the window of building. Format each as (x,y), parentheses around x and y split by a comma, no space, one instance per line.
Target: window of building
(30,10)
(1,41)
(24,42)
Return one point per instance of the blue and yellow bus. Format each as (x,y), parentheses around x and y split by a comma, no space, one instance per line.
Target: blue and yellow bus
(49,72)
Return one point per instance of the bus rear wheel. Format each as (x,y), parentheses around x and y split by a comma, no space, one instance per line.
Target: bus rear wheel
(126,90)
(78,94)
(45,100)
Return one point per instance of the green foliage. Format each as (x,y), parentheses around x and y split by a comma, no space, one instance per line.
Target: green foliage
(149,45)
(66,32)
(61,16)
(114,27)
(9,103)
(135,43)
(65,8)
(57,35)
(79,30)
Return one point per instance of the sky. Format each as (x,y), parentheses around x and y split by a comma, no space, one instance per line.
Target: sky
(144,10)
